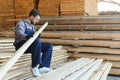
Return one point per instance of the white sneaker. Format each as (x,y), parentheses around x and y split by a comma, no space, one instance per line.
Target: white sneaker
(35,71)
(45,70)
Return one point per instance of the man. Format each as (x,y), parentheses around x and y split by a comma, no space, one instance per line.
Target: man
(41,52)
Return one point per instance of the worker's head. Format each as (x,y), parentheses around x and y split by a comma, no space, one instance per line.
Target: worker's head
(34,16)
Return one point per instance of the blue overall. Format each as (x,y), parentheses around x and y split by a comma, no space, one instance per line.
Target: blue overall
(41,51)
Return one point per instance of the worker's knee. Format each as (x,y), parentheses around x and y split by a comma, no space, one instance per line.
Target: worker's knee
(50,45)
(37,41)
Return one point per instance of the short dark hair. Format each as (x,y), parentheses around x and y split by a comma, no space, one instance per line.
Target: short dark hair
(34,12)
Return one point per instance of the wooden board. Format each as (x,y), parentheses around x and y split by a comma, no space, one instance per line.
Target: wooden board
(94,50)
(96,56)
(86,27)
(99,43)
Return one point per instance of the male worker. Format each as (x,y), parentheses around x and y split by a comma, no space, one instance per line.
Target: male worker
(41,52)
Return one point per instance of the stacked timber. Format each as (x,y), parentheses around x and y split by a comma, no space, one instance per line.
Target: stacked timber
(81,69)
(78,7)
(6,12)
(7,34)
(22,8)
(21,69)
(59,56)
(71,8)
(49,7)
(94,37)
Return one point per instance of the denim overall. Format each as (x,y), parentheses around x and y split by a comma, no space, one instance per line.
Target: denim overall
(41,51)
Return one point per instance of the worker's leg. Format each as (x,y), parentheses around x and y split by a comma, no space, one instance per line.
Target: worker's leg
(46,54)
(35,49)
(18,45)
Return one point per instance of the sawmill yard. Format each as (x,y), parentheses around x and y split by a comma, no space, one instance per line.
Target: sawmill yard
(86,43)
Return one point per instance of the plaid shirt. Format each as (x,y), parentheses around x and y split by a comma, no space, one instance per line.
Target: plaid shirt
(20,30)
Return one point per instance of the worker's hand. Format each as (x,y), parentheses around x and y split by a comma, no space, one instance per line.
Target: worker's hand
(28,36)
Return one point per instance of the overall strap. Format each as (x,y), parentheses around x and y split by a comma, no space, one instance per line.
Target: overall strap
(24,24)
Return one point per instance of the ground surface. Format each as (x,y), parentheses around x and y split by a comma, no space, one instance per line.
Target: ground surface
(110,77)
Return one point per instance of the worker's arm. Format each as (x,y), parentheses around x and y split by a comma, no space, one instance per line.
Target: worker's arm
(20,31)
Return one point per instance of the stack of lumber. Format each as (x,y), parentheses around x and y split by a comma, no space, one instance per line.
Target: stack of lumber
(59,56)
(71,8)
(81,69)
(94,37)
(49,7)
(7,34)
(6,12)
(21,68)
(78,7)
(22,8)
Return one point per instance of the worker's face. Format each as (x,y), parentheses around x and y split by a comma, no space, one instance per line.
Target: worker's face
(35,20)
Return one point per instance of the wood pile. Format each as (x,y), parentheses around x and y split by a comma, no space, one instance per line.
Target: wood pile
(81,69)
(6,12)
(78,7)
(11,9)
(94,37)
(22,8)
(49,7)
(17,9)
(71,8)
(21,68)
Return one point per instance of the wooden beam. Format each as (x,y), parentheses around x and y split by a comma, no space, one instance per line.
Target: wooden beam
(96,56)
(115,71)
(105,74)
(93,50)
(115,64)
(16,73)
(76,75)
(84,27)
(91,70)
(100,43)
(81,35)
(101,74)
(80,22)
(4,15)
(22,77)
